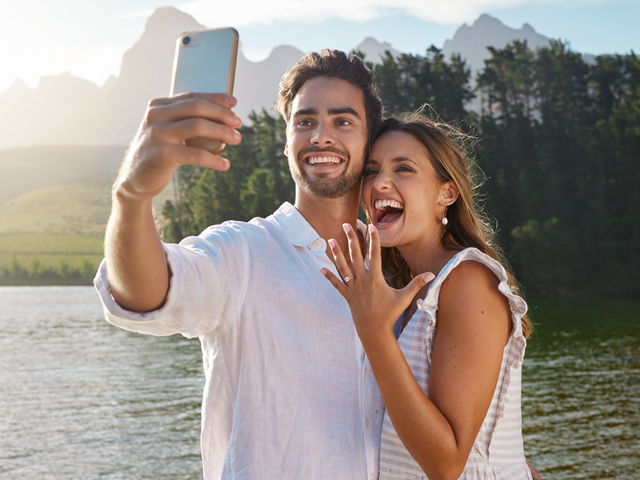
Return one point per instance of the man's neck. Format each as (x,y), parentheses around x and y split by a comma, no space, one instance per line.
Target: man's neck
(326,216)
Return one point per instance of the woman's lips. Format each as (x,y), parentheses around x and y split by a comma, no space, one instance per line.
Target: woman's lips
(388,210)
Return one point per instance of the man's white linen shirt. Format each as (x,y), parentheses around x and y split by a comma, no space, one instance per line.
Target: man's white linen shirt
(288,392)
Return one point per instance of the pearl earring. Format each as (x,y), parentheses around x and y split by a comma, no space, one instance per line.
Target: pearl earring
(444,219)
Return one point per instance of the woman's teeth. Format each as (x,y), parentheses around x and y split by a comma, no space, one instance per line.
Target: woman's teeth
(314,160)
(380,204)
(388,210)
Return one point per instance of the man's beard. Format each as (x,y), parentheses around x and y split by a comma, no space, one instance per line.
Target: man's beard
(325,187)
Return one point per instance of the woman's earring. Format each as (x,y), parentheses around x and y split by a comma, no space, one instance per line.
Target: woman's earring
(444,219)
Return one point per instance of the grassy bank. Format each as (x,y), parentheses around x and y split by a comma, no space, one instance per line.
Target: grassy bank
(49,259)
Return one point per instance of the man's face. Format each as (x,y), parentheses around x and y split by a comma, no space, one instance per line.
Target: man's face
(327,137)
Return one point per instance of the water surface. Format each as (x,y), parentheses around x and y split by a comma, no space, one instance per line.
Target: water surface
(81,399)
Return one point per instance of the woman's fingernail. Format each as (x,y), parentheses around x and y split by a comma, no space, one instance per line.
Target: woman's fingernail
(332,243)
(428,276)
(237,135)
(230,100)
(346,227)
(372,228)
(323,271)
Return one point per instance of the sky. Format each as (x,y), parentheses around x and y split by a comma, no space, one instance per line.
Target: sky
(88,38)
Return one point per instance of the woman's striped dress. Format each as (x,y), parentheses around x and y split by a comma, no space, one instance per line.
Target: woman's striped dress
(498,450)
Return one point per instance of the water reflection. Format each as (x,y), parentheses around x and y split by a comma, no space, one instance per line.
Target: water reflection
(581,389)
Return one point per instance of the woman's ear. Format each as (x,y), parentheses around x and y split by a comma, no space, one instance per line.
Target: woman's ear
(286,149)
(449,193)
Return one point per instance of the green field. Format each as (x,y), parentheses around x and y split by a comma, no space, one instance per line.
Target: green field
(54,235)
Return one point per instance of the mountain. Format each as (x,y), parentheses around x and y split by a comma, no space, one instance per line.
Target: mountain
(471,42)
(25,169)
(374,51)
(26,113)
(65,110)
(111,115)
(145,74)
(257,83)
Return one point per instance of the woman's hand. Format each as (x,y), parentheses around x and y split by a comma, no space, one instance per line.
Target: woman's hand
(375,306)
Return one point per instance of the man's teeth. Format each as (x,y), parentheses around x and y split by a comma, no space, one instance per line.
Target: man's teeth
(380,204)
(314,160)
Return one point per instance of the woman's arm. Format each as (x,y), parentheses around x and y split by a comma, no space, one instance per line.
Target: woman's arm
(473,326)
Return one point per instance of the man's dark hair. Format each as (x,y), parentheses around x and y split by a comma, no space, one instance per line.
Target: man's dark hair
(332,64)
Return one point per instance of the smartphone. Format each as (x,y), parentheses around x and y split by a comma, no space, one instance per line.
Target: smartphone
(205,62)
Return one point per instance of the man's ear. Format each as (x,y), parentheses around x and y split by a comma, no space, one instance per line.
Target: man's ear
(286,149)
(449,193)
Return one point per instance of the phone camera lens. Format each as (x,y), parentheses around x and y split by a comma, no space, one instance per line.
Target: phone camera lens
(186,40)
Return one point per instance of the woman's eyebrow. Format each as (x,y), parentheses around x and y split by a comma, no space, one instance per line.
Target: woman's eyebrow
(403,159)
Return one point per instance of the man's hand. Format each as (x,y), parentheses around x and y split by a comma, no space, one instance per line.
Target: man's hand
(136,263)
(159,147)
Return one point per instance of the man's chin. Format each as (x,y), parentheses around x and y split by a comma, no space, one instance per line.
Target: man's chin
(329,188)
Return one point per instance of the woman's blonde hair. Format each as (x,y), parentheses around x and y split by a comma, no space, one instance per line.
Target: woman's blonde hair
(467,225)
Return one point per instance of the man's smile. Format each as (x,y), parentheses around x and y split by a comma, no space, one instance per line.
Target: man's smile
(314,160)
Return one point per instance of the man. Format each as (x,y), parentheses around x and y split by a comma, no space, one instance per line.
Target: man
(288,393)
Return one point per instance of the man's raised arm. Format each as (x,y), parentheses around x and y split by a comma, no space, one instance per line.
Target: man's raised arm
(136,264)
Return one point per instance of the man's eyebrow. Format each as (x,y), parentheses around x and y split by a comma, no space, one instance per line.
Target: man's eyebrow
(305,111)
(343,110)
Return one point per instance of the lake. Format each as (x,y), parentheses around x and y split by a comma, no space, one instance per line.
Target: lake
(81,399)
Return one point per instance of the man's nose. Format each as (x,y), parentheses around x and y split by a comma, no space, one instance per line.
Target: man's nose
(323,135)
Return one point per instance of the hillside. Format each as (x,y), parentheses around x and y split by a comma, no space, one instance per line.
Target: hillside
(61,228)
(79,207)
(26,169)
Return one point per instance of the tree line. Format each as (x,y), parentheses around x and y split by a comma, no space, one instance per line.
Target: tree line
(558,142)
(34,269)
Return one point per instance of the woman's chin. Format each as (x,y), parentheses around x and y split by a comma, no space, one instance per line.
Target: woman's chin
(386,239)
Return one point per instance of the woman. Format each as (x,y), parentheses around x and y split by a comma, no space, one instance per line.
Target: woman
(451,382)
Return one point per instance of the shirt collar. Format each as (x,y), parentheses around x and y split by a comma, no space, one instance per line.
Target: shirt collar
(296,227)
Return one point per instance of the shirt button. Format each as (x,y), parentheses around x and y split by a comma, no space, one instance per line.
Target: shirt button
(366,422)
(371,476)
(317,243)
(366,370)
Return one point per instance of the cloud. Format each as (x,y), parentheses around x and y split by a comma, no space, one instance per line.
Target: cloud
(137,14)
(259,12)
(242,13)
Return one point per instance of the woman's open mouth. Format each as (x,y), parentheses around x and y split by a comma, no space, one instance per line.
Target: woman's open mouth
(387,211)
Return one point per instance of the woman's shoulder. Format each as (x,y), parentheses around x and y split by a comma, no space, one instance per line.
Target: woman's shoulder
(471,279)
(471,272)
(469,268)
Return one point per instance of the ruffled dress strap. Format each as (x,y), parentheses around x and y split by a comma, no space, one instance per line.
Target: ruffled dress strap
(490,447)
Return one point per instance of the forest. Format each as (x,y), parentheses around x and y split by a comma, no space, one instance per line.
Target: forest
(558,142)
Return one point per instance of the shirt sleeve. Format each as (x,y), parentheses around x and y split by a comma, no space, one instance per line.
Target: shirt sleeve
(206,290)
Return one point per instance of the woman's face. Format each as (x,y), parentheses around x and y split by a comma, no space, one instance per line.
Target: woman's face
(401,192)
